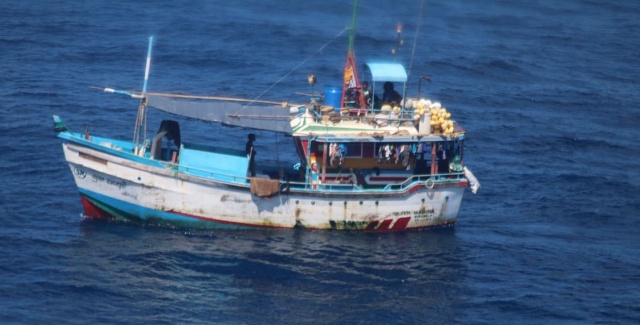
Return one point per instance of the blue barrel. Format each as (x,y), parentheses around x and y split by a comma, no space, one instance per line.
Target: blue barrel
(332,97)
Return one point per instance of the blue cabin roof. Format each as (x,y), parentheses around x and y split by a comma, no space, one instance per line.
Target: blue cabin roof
(222,164)
(393,72)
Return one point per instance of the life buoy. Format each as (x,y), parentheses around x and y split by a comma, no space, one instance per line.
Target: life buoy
(429,183)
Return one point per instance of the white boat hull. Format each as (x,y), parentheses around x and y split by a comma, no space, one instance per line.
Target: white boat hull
(118,187)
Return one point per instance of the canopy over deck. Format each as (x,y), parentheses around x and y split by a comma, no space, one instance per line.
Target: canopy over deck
(393,72)
(259,117)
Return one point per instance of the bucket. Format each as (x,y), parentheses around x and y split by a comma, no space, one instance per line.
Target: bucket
(424,126)
(332,97)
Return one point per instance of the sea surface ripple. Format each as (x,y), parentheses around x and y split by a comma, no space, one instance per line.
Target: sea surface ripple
(546,90)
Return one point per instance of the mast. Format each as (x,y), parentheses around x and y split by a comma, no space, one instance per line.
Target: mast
(351,82)
(140,130)
(352,32)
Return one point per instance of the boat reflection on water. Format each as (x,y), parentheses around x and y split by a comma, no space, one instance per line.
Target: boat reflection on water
(330,275)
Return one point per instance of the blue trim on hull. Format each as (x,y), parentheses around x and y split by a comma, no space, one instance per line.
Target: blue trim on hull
(134,213)
(124,152)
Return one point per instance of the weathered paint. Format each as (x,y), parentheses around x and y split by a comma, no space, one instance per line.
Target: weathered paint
(158,194)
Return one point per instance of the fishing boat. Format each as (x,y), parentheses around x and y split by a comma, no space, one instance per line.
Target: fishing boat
(367,161)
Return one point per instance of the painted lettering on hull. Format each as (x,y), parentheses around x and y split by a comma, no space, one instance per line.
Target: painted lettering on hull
(96,178)
(422,214)
(101,179)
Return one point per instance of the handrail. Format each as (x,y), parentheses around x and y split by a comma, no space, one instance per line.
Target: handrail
(211,174)
(436,178)
(371,113)
(332,187)
(303,186)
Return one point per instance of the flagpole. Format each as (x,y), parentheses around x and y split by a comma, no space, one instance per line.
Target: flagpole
(353,26)
(350,72)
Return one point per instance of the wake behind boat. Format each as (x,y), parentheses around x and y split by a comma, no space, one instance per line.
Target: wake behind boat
(367,161)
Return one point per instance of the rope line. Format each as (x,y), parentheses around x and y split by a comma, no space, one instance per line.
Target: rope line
(415,40)
(294,69)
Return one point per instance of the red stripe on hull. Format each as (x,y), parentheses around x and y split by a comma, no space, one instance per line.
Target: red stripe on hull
(401,223)
(91,210)
(372,225)
(384,225)
(240,224)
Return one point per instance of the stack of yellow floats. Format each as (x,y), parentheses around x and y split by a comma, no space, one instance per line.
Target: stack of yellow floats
(441,122)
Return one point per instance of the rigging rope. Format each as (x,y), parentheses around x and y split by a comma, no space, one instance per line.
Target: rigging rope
(415,40)
(295,68)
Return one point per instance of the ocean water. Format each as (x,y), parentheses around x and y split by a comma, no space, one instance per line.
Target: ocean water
(547,91)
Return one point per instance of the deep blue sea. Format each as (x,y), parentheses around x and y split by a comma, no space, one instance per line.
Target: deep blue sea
(548,91)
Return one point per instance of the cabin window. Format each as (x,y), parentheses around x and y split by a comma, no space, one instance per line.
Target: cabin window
(353,150)
(391,151)
(318,148)
(349,150)
(445,154)
(368,150)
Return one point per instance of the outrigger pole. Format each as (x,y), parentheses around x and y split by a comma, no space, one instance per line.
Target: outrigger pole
(141,120)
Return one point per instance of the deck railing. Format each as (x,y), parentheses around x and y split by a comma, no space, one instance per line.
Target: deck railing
(217,176)
(370,116)
(428,180)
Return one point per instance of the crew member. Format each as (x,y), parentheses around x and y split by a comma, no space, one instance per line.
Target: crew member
(390,96)
(251,153)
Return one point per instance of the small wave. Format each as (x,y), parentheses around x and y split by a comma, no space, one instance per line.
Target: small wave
(503,65)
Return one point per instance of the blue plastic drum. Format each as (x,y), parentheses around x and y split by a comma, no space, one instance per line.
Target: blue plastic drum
(332,97)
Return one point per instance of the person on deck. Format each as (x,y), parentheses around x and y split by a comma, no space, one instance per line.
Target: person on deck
(315,180)
(390,96)
(404,156)
(366,93)
(443,159)
(251,152)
